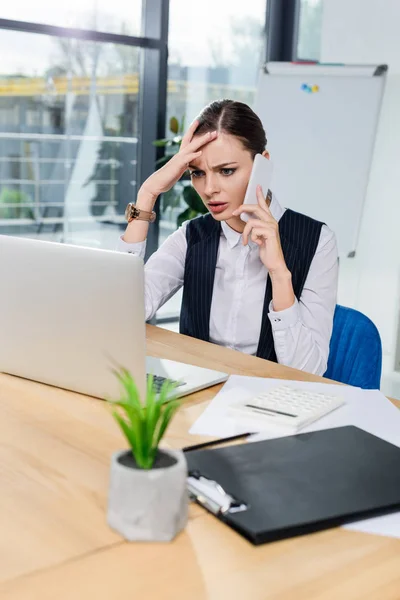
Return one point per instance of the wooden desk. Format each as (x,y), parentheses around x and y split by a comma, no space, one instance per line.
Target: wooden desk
(55,449)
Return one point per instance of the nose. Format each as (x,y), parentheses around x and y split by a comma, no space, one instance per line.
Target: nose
(211,187)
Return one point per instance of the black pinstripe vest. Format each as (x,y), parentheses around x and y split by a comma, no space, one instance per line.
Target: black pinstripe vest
(299,238)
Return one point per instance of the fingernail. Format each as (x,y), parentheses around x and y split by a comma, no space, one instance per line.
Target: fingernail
(214,132)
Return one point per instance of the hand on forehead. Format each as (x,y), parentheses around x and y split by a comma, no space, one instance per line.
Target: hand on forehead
(225,148)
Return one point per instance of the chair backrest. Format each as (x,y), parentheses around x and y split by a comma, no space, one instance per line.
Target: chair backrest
(355,353)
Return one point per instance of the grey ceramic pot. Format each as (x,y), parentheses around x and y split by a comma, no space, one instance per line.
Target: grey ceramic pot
(148,505)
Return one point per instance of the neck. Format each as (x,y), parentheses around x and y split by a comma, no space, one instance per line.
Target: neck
(236,224)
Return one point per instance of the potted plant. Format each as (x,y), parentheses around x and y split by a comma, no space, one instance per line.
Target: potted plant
(147,496)
(182,193)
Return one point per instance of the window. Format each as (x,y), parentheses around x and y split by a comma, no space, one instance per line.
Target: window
(9,113)
(214,53)
(118,16)
(68,136)
(309,39)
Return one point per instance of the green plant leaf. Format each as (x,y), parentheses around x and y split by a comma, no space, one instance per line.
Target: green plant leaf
(158,405)
(134,419)
(130,386)
(186,215)
(144,441)
(127,431)
(165,398)
(166,417)
(170,199)
(182,125)
(133,408)
(166,390)
(152,417)
(174,125)
(193,200)
(151,405)
(161,143)
(143,424)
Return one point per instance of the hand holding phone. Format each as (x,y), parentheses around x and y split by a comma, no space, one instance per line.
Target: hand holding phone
(261,174)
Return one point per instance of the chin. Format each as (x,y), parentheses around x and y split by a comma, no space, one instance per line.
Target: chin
(220,216)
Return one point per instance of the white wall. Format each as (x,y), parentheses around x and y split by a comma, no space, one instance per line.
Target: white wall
(368,31)
(361,31)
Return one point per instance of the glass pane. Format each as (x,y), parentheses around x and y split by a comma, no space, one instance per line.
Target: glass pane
(214,54)
(68,137)
(216,57)
(118,16)
(309,44)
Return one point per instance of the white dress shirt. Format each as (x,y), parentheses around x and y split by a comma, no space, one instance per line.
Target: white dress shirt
(301,333)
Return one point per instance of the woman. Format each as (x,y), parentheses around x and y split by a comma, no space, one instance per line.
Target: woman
(267,287)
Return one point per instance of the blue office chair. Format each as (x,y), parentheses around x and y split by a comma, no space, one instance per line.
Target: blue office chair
(355,352)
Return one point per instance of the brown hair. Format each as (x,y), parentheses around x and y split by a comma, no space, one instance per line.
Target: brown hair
(235,118)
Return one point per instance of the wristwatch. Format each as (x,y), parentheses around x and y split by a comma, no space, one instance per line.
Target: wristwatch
(132,212)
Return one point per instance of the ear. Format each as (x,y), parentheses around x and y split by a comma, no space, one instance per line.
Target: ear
(266,154)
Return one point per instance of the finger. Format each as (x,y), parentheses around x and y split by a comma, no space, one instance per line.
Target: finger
(246,231)
(262,202)
(258,236)
(258,229)
(201,140)
(254,210)
(189,158)
(256,223)
(187,138)
(267,232)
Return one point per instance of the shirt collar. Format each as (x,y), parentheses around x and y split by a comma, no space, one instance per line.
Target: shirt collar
(233,237)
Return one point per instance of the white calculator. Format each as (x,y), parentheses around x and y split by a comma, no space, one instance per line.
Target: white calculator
(287,407)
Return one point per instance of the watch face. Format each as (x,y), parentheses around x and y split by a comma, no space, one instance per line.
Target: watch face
(131,212)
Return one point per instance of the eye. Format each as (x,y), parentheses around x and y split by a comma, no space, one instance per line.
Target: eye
(196,174)
(227,172)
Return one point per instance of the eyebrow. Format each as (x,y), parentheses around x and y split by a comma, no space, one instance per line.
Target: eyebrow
(232,162)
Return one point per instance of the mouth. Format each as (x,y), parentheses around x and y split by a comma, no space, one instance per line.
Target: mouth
(217,207)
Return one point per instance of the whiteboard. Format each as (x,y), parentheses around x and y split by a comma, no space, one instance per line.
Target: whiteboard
(321,139)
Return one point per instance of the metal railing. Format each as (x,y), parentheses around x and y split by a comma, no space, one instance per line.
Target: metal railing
(30,166)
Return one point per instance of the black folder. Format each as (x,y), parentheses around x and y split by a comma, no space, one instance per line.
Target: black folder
(295,485)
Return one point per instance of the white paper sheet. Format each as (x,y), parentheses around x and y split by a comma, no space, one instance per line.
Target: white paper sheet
(389,525)
(367,409)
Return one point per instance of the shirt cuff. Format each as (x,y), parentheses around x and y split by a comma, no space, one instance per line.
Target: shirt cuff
(284,318)
(138,248)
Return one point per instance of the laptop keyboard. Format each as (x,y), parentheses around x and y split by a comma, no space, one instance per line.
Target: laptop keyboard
(158,382)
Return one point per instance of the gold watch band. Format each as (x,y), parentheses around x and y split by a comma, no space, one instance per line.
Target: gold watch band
(134,213)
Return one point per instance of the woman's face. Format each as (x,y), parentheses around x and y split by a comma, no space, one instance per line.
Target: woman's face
(220,177)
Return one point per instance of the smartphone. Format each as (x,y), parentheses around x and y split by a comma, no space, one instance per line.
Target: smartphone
(261,174)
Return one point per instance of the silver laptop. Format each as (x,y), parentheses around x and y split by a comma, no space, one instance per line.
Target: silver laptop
(69,315)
